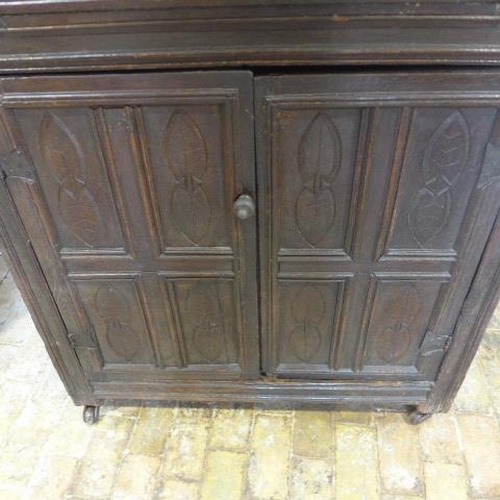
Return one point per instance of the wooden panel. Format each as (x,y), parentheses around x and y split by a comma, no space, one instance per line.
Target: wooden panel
(68,159)
(441,162)
(307,323)
(185,146)
(117,316)
(398,322)
(130,215)
(413,157)
(314,177)
(206,319)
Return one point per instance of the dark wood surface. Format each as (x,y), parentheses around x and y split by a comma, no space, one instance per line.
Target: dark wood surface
(97,35)
(377,193)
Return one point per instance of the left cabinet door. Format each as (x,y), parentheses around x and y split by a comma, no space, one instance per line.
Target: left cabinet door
(125,186)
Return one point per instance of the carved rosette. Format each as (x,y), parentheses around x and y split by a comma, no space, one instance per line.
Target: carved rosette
(205,311)
(307,309)
(444,160)
(319,159)
(113,307)
(402,306)
(185,153)
(64,158)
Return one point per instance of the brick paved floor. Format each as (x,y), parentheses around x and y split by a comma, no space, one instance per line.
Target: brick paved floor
(175,453)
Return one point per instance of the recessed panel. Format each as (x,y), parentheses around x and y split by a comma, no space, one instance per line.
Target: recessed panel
(399,319)
(191,173)
(65,147)
(442,160)
(313,168)
(306,321)
(117,316)
(206,320)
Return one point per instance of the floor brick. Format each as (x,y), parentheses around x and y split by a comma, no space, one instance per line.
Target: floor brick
(231,428)
(136,478)
(311,479)
(224,475)
(481,439)
(439,440)
(356,462)
(400,462)
(269,459)
(313,433)
(187,445)
(151,431)
(444,481)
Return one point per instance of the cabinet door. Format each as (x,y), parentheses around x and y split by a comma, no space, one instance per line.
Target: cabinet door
(125,185)
(377,195)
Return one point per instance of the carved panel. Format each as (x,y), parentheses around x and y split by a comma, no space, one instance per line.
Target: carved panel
(399,319)
(313,175)
(68,159)
(445,158)
(319,158)
(442,158)
(117,316)
(189,169)
(306,321)
(207,320)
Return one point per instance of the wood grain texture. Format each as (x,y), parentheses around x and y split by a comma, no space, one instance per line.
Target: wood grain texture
(377,204)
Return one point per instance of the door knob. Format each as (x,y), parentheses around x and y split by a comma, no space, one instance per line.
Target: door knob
(244,207)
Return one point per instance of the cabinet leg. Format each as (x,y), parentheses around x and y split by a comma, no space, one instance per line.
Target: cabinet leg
(90,414)
(414,416)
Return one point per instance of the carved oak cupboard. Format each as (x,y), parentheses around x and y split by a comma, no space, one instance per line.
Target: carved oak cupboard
(252,234)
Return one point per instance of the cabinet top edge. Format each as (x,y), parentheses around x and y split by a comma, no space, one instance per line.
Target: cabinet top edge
(97,35)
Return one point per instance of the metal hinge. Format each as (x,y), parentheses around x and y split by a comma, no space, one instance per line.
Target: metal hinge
(15,164)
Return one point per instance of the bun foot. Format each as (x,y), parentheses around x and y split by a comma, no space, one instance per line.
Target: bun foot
(415,417)
(90,414)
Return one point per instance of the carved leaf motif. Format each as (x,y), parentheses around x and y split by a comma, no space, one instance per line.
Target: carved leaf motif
(192,212)
(402,306)
(113,307)
(307,310)
(185,152)
(319,159)
(446,154)
(60,149)
(445,158)
(202,303)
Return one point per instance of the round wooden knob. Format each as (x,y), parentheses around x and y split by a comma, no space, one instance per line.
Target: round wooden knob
(244,207)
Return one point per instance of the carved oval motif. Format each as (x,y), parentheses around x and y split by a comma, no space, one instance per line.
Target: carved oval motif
(307,308)
(401,307)
(113,307)
(446,155)
(319,154)
(185,152)
(308,305)
(192,212)
(429,214)
(79,212)
(319,159)
(208,332)
(305,341)
(315,214)
(445,158)
(184,147)
(64,159)
(61,150)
